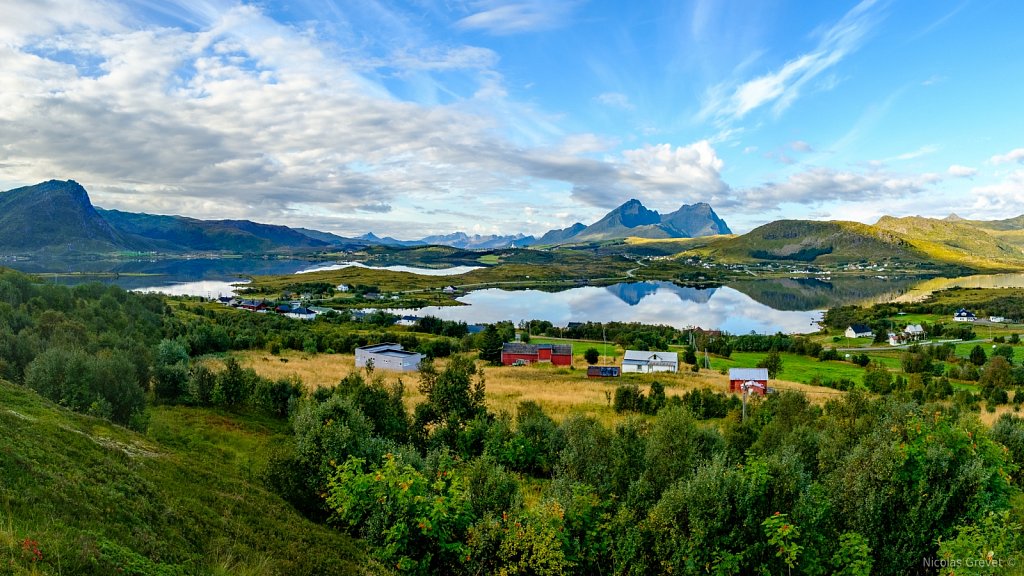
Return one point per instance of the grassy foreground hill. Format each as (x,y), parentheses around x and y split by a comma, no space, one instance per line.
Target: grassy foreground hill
(813,241)
(81,496)
(952,241)
(911,241)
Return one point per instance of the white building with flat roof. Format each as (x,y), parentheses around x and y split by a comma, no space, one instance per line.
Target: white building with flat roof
(388,356)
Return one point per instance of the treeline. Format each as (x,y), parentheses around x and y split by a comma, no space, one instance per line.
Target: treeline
(206,329)
(859,486)
(89,347)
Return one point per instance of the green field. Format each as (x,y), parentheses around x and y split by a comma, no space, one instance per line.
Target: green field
(795,367)
(579,347)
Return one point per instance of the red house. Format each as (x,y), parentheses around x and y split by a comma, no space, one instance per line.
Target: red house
(557,354)
(754,379)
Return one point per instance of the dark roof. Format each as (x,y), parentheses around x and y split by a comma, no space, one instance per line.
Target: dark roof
(860,328)
(518,348)
(522,348)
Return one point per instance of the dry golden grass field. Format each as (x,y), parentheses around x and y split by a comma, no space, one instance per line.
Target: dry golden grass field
(559,391)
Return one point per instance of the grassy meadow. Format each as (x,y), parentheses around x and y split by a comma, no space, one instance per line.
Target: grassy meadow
(560,391)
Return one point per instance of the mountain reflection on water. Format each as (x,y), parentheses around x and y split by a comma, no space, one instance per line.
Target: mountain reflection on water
(648,302)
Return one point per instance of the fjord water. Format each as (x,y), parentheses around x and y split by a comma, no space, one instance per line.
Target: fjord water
(791,305)
(647,302)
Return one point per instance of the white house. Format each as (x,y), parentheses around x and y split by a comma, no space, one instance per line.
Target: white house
(996,319)
(408,320)
(914,331)
(648,361)
(448,290)
(388,356)
(964,315)
(859,331)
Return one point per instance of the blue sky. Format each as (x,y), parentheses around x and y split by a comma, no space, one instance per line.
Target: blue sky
(488,116)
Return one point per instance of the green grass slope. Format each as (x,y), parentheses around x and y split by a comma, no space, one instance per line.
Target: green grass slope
(953,241)
(93,498)
(819,242)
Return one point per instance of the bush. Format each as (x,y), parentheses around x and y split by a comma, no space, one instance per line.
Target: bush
(628,398)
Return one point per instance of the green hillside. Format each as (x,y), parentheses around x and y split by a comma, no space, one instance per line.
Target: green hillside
(818,242)
(94,498)
(54,217)
(953,241)
(188,234)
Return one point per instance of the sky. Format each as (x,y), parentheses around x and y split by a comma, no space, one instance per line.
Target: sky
(499,117)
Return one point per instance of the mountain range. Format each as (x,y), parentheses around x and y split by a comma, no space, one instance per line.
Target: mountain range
(57,217)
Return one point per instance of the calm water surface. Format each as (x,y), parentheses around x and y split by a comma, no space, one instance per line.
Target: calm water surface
(646,302)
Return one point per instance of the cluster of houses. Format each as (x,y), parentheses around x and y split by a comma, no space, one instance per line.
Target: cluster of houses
(912,333)
(391,356)
(964,315)
(291,309)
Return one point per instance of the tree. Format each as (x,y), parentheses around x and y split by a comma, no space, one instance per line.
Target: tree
(592,355)
(877,378)
(773,362)
(978,356)
(996,375)
(490,346)
(417,524)
(453,399)
(1005,352)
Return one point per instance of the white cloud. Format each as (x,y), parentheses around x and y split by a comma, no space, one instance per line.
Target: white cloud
(958,171)
(1016,155)
(503,18)
(922,151)
(818,186)
(1003,199)
(783,86)
(614,100)
(801,146)
(579,144)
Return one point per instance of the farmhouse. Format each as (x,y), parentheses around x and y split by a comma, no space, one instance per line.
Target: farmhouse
(408,320)
(300,313)
(914,331)
(859,331)
(996,319)
(964,315)
(557,354)
(648,361)
(389,356)
(755,380)
(448,290)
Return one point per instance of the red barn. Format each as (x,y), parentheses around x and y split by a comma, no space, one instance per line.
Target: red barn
(558,354)
(756,380)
